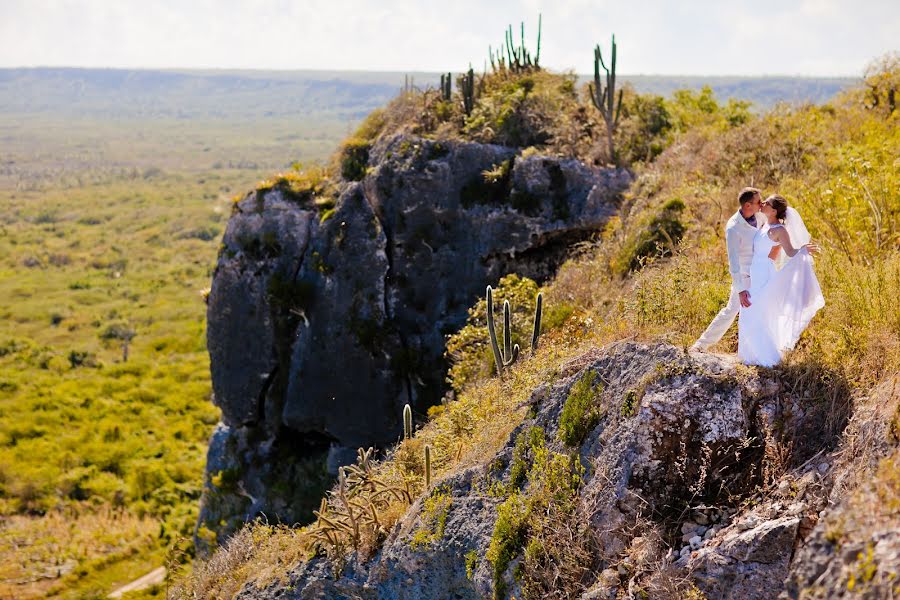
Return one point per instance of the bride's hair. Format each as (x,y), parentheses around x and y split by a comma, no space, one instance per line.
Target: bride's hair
(779,204)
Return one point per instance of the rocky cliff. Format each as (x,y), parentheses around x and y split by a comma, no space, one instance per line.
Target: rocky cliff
(675,489)
(323,323)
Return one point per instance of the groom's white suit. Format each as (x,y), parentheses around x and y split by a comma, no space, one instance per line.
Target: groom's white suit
(739,236)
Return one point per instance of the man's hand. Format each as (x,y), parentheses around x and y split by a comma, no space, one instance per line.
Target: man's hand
(745,298)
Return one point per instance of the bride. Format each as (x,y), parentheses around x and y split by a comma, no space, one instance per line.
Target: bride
(782,302)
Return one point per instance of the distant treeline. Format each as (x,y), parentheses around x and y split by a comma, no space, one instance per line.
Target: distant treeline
(192,94)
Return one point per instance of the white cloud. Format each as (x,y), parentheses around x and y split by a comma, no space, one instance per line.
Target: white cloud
(812,37)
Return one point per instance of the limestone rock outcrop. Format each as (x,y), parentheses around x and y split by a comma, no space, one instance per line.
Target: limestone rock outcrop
(678,433)
(322,324)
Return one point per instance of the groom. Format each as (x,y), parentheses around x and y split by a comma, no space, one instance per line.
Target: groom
(739,233)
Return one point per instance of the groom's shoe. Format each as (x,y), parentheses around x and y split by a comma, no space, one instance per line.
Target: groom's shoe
(697,347)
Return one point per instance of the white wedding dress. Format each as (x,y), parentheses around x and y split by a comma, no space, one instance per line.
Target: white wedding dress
(782,301)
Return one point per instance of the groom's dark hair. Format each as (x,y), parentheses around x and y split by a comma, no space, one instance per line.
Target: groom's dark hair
(747,194)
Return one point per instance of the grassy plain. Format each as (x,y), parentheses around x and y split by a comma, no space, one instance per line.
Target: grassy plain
(108,236)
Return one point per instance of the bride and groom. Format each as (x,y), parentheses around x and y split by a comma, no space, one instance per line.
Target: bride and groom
(775,305)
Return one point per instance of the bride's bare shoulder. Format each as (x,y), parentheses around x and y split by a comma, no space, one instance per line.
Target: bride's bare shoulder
(776,231)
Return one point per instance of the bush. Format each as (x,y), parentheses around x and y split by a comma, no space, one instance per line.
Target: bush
(469,350)
(580,413)
(354,159)
(119,331)
(659,237)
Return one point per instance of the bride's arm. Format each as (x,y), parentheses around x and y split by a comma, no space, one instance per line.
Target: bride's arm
(780,235)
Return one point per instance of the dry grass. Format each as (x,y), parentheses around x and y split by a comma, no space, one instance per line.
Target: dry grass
(44,555)
(850,346)
(259,552)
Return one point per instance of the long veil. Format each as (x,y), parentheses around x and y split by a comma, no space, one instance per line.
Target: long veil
(797,231)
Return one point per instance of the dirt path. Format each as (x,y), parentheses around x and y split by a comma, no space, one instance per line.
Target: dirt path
(152,578)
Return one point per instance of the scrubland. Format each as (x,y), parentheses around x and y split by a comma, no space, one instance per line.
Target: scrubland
(657,272)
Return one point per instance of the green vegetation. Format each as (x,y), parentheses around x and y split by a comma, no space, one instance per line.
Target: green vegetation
(104,374)
(508,539)
(527,442)
(96,254)
(835,163)
(354,158)
(434,518)
(580,413)
(470,351)
(527,519)
(106,407)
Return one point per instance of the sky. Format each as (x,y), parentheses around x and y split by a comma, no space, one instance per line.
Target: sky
(677,37)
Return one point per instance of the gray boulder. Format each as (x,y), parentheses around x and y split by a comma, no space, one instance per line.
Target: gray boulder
(323,324)
(677,430)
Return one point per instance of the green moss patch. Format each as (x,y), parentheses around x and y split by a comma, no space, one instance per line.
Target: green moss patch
(580,413)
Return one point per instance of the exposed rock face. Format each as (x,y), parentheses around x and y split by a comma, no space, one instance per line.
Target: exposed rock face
(321,326)
(687,453)
(679,433)
(854,549)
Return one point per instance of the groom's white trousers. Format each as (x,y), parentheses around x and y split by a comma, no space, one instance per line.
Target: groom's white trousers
(722,322)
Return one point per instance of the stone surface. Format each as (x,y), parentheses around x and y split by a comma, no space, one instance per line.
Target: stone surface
(322,325)
(629,458)
(689,443)
(746,563)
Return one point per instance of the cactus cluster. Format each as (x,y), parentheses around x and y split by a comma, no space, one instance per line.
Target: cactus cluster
(446,87)
(467,87)
(510,352)
(353,507)
(351,510)
(517,58)
(604,98)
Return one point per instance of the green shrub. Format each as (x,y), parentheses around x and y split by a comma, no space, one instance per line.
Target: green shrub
(354,158)
(469,350)
(580,413)
(434,518)
(527,443)
(507,539)
(660,237)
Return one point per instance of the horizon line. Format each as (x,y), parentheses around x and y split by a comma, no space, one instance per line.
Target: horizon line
(408,72)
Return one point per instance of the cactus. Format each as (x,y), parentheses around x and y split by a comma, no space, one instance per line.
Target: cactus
(407,422)
(604,98)
(517,58)
(467,87)
(427,467)
(537,323)
(509,354)
(342,494)
(446,86)
(354,506)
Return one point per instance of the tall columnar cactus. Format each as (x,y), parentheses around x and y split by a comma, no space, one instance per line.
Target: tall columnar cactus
(467,87)
(407,422)
(536,331)
(427,467)
(446,86)
(604,98)
(506,356)
(509,354)
(517,58)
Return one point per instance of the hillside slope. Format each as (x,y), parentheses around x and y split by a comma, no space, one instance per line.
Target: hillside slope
(682,475)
